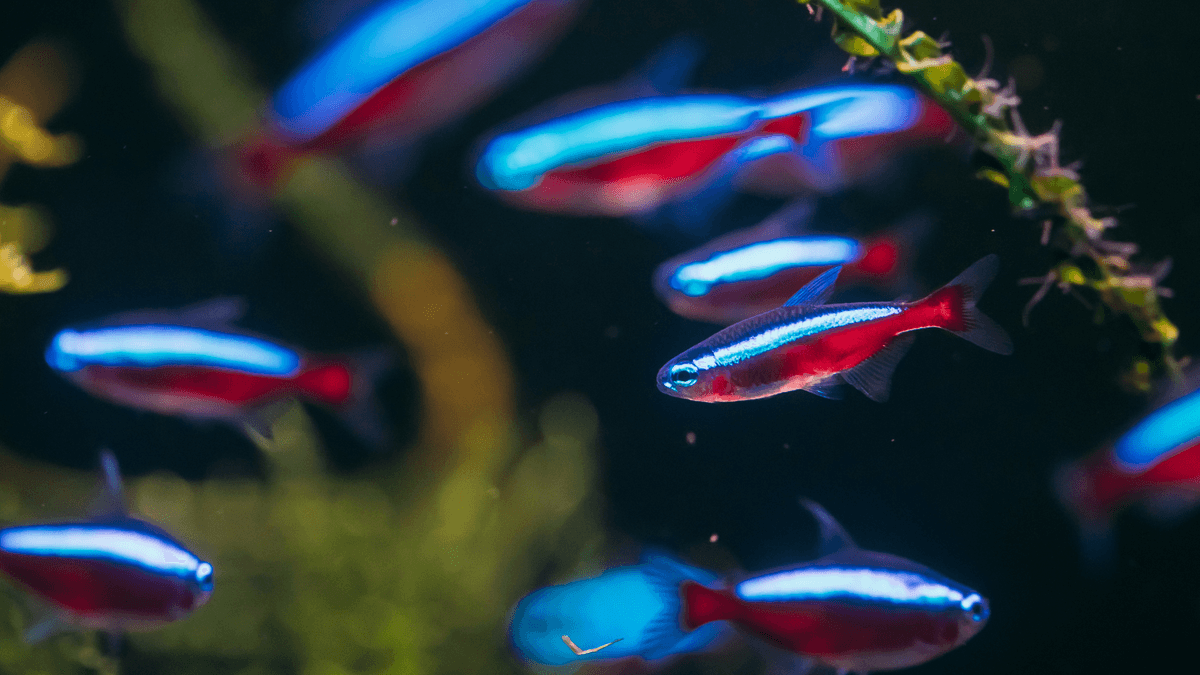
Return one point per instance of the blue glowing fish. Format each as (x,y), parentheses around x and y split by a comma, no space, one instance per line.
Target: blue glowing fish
(400,69)
(807,344)
(754,270)
(634,610)
(632,156)
(1156,464)
(194,364)
(113,572)
(852,610)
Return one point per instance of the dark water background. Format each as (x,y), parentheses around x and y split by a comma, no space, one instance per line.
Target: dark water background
(953,471)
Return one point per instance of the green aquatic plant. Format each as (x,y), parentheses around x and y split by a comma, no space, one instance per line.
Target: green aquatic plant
(1038,185)
(34,84)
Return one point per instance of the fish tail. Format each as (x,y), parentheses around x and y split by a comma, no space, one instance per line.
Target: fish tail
(348,386)
(1074,492)
(674,630)
(887,257)
(955,311)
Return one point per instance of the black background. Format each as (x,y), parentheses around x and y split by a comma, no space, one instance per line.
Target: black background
(952,472)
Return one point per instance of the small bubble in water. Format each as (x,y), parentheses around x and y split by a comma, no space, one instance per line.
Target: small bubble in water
(690,438)
(713,538)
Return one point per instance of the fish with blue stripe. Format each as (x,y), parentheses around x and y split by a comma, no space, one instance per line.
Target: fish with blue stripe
(851,609)
(1155,464)
(807,344)
(631,156)
(628,611)
(112,572)
(195,364)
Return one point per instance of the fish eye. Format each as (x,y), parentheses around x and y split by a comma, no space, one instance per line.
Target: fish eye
(204,576)
(977,607)
(683,374)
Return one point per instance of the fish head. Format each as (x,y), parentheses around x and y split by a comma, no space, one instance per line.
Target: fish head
(973,615)
(63,352)
(688,376)
(201,585)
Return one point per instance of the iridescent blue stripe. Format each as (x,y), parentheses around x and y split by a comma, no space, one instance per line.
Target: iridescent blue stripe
(773,337)
(386,42)
(152,346)
(854,583)
(848,111)
(761,260)
(1163,430)
(105,543)
(517,160)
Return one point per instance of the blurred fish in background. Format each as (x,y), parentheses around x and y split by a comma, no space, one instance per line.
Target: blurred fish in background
(756,269)
(195,364)
(635,156)
(1155,465)
(628,611)
(111,572)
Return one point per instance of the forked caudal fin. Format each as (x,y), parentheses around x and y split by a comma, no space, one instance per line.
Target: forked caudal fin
(964,319)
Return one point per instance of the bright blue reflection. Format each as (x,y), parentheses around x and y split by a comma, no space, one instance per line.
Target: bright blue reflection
(517,160)
(863,584)
(1160,432)
(761,260)
(99,542)
(845,112)
(638,604)
(386,42)
(152,346)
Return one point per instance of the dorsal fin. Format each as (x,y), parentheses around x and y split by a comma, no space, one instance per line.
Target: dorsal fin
(110,495)
(834,537)
(817,291)
(669,67)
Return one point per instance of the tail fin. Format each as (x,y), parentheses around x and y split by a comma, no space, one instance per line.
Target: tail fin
(888,256)
(672,631)
(1095,532)
(349,388)
(972,325)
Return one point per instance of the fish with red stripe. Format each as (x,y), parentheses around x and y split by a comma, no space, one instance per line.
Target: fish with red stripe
(807,344)
(851,609)
(111,572)
(193,363)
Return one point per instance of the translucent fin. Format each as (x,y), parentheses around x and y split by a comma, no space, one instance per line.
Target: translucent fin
(215,314)
(669,68)
(834,537)
(361,412)
(258,423)
(665,634)
(980,329)
(873,377)
(817,291)
(830,388)
(44,622)
(110,495)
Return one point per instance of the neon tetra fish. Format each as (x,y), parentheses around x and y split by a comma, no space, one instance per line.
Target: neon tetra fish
(751,271)
(853,610)
(806,344)
(192,363)
(401,69)
(1156,464)
(113,572)
(629,157)
(635,610)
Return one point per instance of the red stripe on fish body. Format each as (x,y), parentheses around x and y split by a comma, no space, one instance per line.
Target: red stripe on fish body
(1108,486)
(97,590)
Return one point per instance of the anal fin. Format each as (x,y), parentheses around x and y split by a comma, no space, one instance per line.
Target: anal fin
(873,377)
(829,388)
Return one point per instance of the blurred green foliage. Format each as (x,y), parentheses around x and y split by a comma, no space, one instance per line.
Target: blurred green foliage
(1037,184)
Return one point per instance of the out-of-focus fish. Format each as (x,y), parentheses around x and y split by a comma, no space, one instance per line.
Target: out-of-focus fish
(192,363)
(631,156)
(112,572)
(806,344)
(851,609)
(401,69)
(751,271)
(634,610)
(1155,464)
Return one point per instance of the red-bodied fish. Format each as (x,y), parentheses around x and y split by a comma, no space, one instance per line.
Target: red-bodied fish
(112,572)
(806,344)
(756,269)
(852,610)
(193,363)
